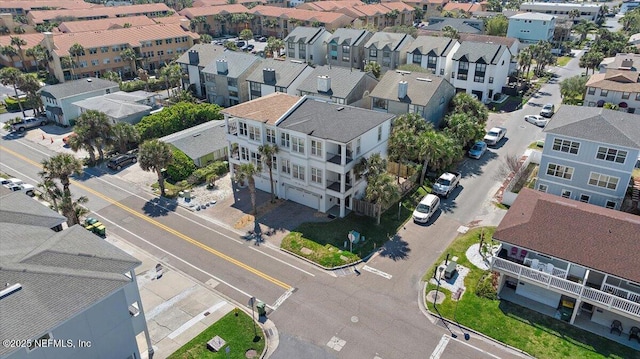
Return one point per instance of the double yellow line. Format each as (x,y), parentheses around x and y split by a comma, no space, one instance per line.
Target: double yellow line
(162,226)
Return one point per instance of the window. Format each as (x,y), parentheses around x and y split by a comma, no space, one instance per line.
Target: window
(566,146)
(625,95)
(432,61)
(106,61)
(104,49)
(373,52)
(333,50)
(298,172)
(284,140)
(254,133)
(441,72)
(255,88)
(417,59)
(610,205)
(490,80)
(297,145)
(379,133)
(585,198)
(316,175)
(611,155)
(285,166)
(281,89)
(316,148)
(386,58)
(346,53)
(604,92)
(93,50)
(379,103)
(161,53)
(604,181)
(291,46)
(271,135)
(168,41)
(565,193)
(559,171)
(477,78)
(591,90)
(416,109)
(158,42)
(95,62)
(638,96)
(243,129)
(256,159)
(543,188)
(244,153)
(232,82)
(463,66)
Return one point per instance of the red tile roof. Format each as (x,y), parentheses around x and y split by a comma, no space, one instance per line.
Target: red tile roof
(104,24)
(299,14)
(175,19)
(199,3)
(39,16)
(468,7)
(53,4)
(31,39)
(193,12)
(596,237)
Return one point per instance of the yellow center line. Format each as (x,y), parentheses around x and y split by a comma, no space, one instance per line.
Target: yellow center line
(162,226)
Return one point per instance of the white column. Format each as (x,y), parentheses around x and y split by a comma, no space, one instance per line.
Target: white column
(576,308)
(343,155)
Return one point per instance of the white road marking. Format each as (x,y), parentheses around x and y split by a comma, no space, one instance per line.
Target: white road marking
(282,298)
(20,173)
(377,271)
(437,352)
(476,348)
(336,343)
(195,319)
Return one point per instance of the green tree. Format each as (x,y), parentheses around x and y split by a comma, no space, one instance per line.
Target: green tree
(371,167)
(94,129)
(402,29)
(610,106)
(12,76)
(246,172)
(61,167)
(76,50)
(494,6)
(497,25)
(206,38)
(112,76)
(591,60)
(182,166)
(464,129)
(432,145)
(573,14)
(78,142)
(572,89)
(267,154)
(374,68)
(39,55)
(51,192)
(631,21)
(230,45)
(196,23)
(541,52)
(464,103)
(30,85)
(124,135)
(9,51)
(381,191)
(155,156)
(171,74)
(450,32)
(130,55)
(525,59)
(274,46)
(418,13)
(403,143)
(584,27)
(246,34)
(176,118)
(18,42)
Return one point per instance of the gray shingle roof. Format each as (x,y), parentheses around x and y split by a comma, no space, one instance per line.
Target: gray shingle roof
(199,140)
(331,121)
(420,88)
(14,209)
(206,53)
(286,71)
(237,62)
(351,37)
(462,25)
(343,80)
(441,46)
(304,34)
(389,40)
(76,87)
(597,125)
(473,51)
(111,107)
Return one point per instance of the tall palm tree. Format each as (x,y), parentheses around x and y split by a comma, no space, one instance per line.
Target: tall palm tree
(274,46)
(61,167)
(76,50)
(30,85)
(267,152)
(78,142)
(155,156)
(112,76)
(428,148)
(573,14)
(130,55)
(9,51)
(170,73)
(11,76)
(584,27)
(39,55)
(524,61)
(95,129)
(381,191)
(125,134)
(51,191)
(247,171)
(19,42)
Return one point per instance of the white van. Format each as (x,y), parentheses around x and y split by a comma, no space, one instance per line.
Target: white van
(426,208)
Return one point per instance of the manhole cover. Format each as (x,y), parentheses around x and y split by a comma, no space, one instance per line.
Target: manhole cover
(354,319)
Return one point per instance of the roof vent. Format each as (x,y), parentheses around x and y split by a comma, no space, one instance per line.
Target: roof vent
(401,72)
(340,108)
(10,289)
(424,79)
(297,62)
(89,80)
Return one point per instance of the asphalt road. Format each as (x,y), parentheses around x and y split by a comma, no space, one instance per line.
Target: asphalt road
(318,314)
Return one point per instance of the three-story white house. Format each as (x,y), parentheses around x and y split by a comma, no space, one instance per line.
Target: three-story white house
(319,143)
(308,44)
(589,155)
(480,69)
(433,53)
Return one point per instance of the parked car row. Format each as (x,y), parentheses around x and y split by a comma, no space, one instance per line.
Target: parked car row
(17,185)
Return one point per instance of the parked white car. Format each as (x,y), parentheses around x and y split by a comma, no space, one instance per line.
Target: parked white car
(426,208)
(537,120)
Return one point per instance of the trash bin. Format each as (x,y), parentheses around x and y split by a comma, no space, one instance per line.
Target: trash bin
(262,309)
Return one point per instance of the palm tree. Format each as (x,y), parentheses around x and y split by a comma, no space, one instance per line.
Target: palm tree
(267,152)
(196,22)
(573,14)
(584,27)
(450,32)
(11,76)
(9,51)
(155,156)
(61,167)
(374,68)
(19,42)
(79,142)
(428,148)
(39,55)
(112,76)
(464,129)
(171,74)
(130,55)
(144,76)
(94,129)
(76,50)
(30,85)
(125,134)
(524,61)
(246,171)
(381,191)
(51,192)
(274,46)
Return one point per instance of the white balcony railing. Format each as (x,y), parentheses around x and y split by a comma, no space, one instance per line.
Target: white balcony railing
(580,291)
(558,272)
(622,293)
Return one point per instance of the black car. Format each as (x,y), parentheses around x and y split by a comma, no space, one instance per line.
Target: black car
(240,44)
(118,162)
(249,48)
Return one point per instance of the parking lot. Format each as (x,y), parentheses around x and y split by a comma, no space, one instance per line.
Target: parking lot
(255,45)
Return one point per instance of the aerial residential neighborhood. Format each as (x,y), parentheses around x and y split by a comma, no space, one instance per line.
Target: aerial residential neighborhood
(319,179)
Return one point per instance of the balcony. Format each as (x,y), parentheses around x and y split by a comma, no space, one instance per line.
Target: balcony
(335,186)
(337,159)
(558,284)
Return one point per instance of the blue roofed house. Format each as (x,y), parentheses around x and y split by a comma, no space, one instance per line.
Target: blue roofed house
(225,77)
(307,44)
(346,47)
(589,155)
(340,85)
(531,27)
(277,75)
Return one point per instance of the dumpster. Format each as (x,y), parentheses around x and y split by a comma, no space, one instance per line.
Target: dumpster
(100,230)
(262,309)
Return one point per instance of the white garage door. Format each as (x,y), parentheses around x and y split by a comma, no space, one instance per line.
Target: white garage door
(302,197)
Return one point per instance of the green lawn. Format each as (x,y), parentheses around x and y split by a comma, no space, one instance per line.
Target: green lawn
(563,60)
(237,331)
(326,240)
(539,335)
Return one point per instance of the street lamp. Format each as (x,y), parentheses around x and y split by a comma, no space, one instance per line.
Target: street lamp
(436,297)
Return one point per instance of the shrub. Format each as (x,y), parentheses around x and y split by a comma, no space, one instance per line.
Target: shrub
(486,288)
(182,166)
(13,106)
(218,168)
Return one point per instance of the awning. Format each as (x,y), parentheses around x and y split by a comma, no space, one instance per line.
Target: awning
(54,110)
(623,105)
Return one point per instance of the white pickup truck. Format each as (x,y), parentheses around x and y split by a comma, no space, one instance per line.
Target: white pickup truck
(447,182)
(494,135)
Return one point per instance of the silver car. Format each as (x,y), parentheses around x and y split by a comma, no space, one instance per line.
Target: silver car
(536,120)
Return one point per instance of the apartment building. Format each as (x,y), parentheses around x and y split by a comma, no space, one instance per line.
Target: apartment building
(379,16)
(37,17)
(21,53)
(154,45)
(589,155)
(618,87)
(434,53)
(226,78)
(217,18)
(346,48)
(588,11)
(105,24)
(193,62)
(532,27)
(319,144)
(275,75)
(18,7)
(280,21)
(307,44)
(386,48)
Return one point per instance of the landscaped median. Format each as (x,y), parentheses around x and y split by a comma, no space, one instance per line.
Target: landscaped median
(324,243)
(536,334)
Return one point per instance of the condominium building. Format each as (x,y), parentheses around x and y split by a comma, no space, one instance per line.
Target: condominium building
(37,17)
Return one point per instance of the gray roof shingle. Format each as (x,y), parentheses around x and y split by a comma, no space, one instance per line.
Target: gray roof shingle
(331,121)
(286,71)
(350,37)
(14,209)
(199,140)
(76,87)
(420,87)
(474,51)
(304,34)
(597,125)
(206,53)
(390,40)
(441,46)
(343,80)
(237,63)
(462,25)
(113,108)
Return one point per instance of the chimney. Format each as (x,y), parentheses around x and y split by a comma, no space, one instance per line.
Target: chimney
(402,89)
(627,63)
(194,57)
(269,76)
(48,40)
(222,67)
(324,83)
